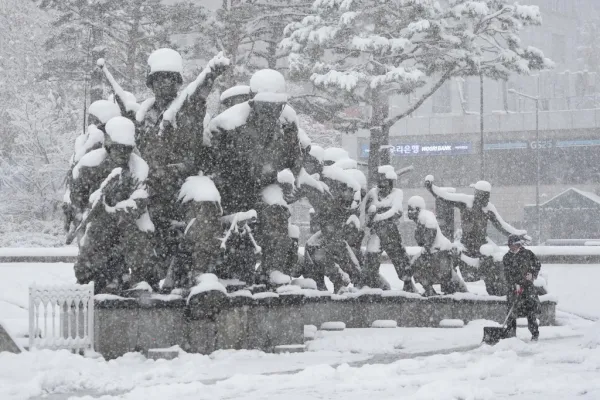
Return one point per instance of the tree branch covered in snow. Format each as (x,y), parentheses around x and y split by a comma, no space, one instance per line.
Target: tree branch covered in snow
(126,30)
(366,50)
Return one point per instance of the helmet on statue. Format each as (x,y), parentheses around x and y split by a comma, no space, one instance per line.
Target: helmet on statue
(102,111)
(120,131)
(165,62)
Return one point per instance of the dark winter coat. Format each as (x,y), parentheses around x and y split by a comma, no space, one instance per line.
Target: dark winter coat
(516,267)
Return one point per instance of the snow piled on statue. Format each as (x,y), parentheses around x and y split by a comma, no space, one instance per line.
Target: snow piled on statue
(195,198)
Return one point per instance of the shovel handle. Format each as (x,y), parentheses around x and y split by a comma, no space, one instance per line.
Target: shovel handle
(511,310)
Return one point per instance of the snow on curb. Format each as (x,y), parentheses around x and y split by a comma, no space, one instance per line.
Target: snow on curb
(333,326)
(383,323)
(452,323)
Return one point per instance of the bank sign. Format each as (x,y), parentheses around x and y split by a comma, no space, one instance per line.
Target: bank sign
(424,149)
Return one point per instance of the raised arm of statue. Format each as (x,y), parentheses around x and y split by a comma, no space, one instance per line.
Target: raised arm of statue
(503,227)
(458,200)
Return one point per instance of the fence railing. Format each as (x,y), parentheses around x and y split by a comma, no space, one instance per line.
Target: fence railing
(61,317)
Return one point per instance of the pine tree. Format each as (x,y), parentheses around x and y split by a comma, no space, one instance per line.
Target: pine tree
(124,32)
(367,50)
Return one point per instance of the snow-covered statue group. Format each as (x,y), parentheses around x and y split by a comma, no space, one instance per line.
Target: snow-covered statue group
(159,195)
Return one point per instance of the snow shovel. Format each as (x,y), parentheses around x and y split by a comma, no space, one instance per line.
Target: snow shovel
(493,334)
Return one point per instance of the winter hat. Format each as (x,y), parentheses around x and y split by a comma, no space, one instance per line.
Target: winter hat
(104,110)
(388,171)
(121,130)
(515,239)
(268,85)
(164,60)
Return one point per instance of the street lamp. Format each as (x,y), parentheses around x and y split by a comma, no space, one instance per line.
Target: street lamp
(537,157)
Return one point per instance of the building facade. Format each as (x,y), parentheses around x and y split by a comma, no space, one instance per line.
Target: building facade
(443,137)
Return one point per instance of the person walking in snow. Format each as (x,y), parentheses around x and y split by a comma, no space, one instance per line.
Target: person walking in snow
(521,268)
(99,113)
(434,263)
(111,183)
(169,137)
(383,208)
(475,212)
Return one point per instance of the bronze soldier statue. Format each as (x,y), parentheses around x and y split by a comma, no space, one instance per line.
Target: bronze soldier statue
(99,113)
(382,210)
(170,138)
(111,183)
(475,212)
(256,158)
(434,264)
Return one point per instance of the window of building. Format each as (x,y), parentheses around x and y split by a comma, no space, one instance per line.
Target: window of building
(442,99)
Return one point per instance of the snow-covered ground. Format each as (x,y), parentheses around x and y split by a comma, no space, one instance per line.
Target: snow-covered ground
(414,363)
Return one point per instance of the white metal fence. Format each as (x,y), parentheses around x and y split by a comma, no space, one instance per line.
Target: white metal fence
(61,317)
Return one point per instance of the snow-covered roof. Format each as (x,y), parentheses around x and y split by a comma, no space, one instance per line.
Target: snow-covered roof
(589,195)
(235,91)
(165,60)
(104,110)
(388,171)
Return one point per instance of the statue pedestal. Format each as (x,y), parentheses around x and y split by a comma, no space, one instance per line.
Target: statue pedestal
(214,320)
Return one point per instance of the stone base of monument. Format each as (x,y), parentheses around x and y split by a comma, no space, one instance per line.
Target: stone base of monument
(214,320)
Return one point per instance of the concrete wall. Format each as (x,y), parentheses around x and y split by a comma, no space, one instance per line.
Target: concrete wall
(214,320)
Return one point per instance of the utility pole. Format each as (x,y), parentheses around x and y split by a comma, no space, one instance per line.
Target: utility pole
(537,160)
(481,139)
